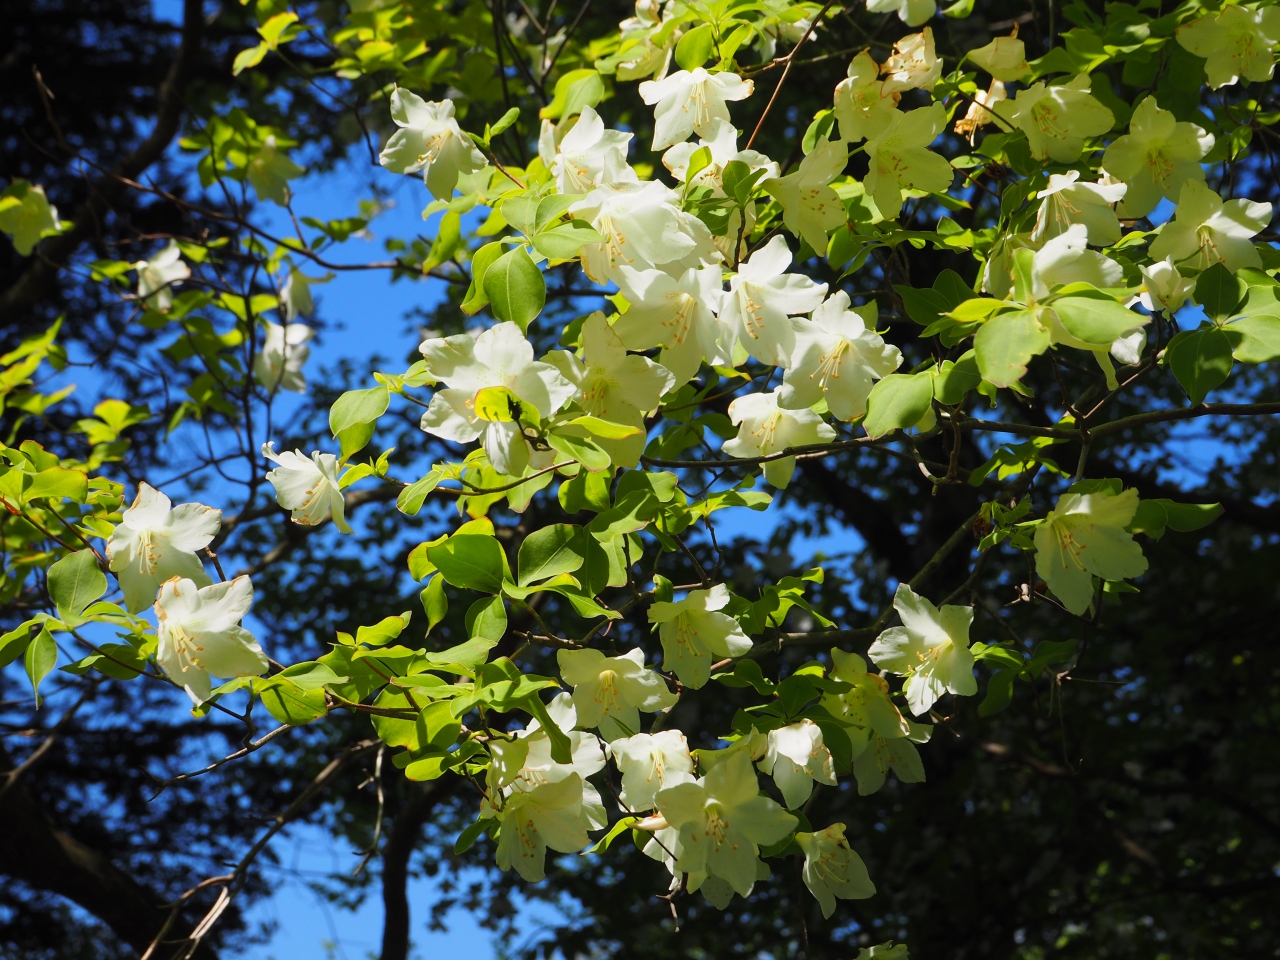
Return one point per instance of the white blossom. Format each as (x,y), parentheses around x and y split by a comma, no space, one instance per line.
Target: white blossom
(199,634)
(832,868)
(1205,230)
(693,631)
(641,225)
(1067,200)
(610,692)
(590,155)
(796,757)
(156,541)
(931,649)
(279,361)
(1084,537)
(810,208)
(689,101)
(430,140)
(914,64)
(677,313)
(766,428)
(648,763)
(763,296)
(158,276)
(307,486)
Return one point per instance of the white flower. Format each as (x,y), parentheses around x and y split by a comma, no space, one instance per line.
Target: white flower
(832,869)
(641,226)
(911,12)
(26,215)
(868,704)
(722,819)
(430,140)
(590,155)
(1084,537)
(308,486)
(795,758)
(295,294)
(693,631)
(156,542)
(525,763)
(158,276)
(862,106)
(1205,231)
(614,385)
(874,755)
(1165,288)
(689,101)
(765,428)
(498,357)
(552,815)
(678,313)
(1005,58)
(1235,42)
(1068,201)
(914,64)
(1067,259)
(930,649)
(279,361)
(199,634)
(648,763)
(900,161)
(810,208)
(1156,157)
(838,358)
(722,143)
(1058,119)
(270,172)
(761,298)
(610,692)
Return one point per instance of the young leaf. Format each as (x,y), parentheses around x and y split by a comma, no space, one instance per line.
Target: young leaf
(75,581)
(1005,345)
(897,402)
(1200,360)
(515,288)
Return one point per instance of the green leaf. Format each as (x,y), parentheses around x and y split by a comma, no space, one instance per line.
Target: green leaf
(1154,516)
(438,728)
(448,239)
(515,288)
(1255,339)
(384,631)
(606,429)
(467,838)
(999,693)
(897,402)
(506,120)
(14,643)
(75,581)
(248,57)
(952,381)
(290,703)
(696,47)
(584,451)
(487,619)
(58,483)
(1096,320)
(354,439)
(434,602)
(1005,345)
(311,675)
(575,90)
(554,549)
(357,407)
(413,496)
(41,657)
(564,241)
(1220,291)
(470,561)
(1200,360)
(619,828)
(483,259)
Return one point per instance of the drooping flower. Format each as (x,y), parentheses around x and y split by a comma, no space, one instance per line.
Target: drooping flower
(641,225)
(930,649)
(1235,42)
(295,294)
(911,12)
(874,755)
(722,144)
(1067,201)
(1057,119)
(270,171)
(900,160)
(796,757)
(1205,230)
(610,692)
(1164,287)
(762,297)
(979,113)
(525,763)
(723,820)
(766,428)
(694,631)
(677,313)
(156,541)
(307,486)
(550,816)
(614,385)
(810,208)
(1005,58)
(430,140)
(199,634)
(590,155)
(158,276)
(1084,537)
(26,215)
(689,101)
(867,705)
(279,361)
(832,868)
(862,106)
(1155,158)
(498,357)
(837,358)
(914,64)
(649,763)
